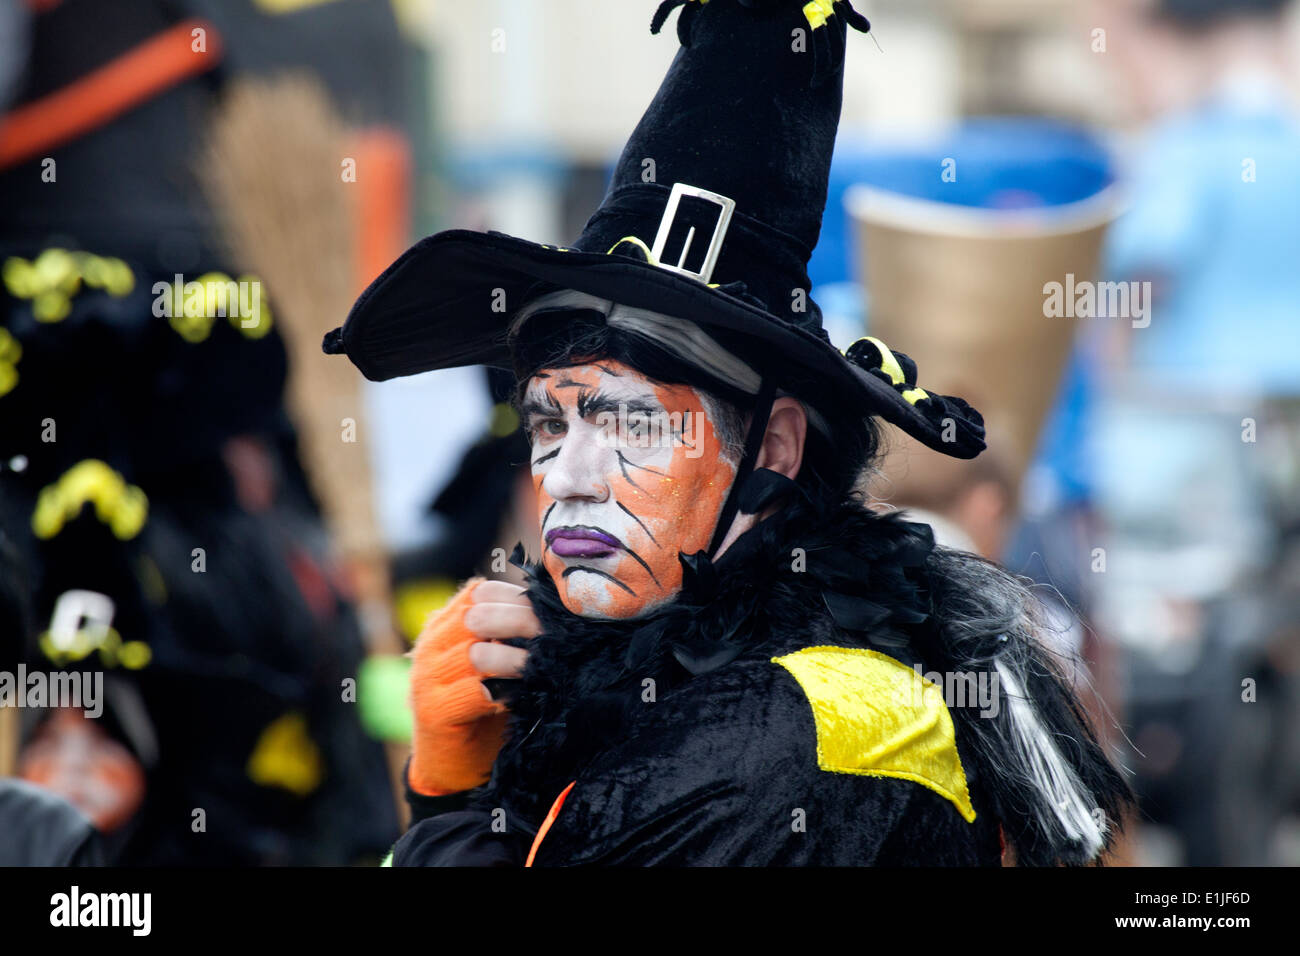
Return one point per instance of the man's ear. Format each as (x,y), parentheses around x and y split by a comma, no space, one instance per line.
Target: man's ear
(782,448)
(781,452)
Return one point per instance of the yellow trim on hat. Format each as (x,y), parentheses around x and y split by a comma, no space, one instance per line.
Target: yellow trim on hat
(650,258)
(196,305)
(53,278)
(891,367)
(888,364)
(10,352)
(121,506)
(816,12)
(877,717)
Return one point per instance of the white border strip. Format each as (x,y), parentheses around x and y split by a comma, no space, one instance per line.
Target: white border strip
(881,207)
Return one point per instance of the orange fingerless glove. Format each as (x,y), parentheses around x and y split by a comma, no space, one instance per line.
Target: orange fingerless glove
(458,730)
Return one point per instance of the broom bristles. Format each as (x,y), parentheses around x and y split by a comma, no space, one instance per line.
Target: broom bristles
(273,171)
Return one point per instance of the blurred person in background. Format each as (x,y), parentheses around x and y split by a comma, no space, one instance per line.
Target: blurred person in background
(39,827)
(1215,183)
(152,466)
(1196,439)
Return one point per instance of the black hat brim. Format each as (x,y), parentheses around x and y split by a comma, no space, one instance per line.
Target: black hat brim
(448,301)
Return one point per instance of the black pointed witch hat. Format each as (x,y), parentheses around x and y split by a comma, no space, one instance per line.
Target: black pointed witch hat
(743,126)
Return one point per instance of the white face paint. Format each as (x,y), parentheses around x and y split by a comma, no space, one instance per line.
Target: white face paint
(628,473)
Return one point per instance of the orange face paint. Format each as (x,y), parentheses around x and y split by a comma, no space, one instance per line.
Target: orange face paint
(628,473)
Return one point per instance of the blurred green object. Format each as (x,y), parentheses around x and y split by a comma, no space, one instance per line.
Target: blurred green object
(383,688)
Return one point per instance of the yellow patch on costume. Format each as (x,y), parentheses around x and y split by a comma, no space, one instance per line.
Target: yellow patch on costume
(286,756)
(877,717)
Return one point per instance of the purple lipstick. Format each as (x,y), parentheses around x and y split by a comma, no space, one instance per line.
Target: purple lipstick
(579,542)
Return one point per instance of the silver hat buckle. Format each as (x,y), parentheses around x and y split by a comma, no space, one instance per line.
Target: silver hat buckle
(726,208)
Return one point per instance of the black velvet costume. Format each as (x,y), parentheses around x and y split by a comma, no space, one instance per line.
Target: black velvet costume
(716,768)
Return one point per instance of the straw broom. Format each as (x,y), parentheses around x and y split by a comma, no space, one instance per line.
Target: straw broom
(273,173)
(273,169)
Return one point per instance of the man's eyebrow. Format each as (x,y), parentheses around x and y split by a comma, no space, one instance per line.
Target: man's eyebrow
(593,403)
(540,407)
(545,403)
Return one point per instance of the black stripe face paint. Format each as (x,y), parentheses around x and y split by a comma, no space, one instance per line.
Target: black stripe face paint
(628,474)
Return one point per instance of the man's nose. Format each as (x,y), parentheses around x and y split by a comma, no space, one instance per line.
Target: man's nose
(580,470)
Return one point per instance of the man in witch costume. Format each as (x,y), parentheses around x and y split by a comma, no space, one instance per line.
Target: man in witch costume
(718,659)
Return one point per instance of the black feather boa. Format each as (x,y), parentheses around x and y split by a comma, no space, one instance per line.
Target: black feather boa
(815,568)
(584,678)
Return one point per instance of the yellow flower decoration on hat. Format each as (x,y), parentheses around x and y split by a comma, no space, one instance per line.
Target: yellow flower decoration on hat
(10,352)
(193,307)
(890,365)
(122,507)
(53,279)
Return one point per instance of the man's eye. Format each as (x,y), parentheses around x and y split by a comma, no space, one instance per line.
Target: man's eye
(549,428)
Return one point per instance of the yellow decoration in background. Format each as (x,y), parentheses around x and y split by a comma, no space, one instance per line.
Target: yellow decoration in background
(54,277)
(10,352)
(134,655)
(121,506)
(504,420)
(281,7)
(414,601)
(285,756)
(875,716)
(192,328)
(196,305)
(84,643)
(52,306)
(151,580)
(113,651)
(262,314)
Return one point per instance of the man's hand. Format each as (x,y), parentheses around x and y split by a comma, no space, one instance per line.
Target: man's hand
(458,727)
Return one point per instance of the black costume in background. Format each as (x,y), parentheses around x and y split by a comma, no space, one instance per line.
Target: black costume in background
(265,630)
(43,829)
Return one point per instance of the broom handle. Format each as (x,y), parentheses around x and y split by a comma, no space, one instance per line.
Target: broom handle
(9,727)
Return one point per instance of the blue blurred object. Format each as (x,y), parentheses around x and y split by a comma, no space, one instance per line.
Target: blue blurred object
(1001,163)
(1215,225)
(479,168)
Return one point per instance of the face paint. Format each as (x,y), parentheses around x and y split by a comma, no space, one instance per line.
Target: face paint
(628,473)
